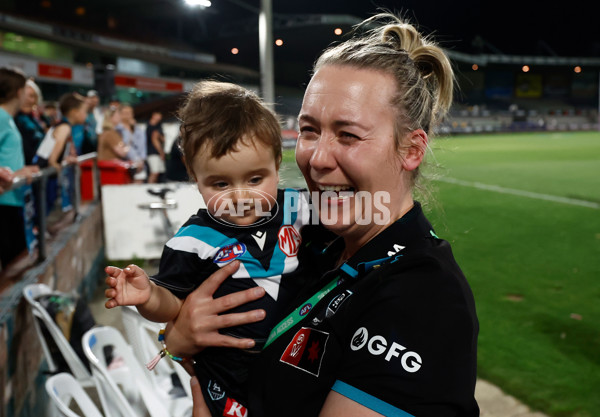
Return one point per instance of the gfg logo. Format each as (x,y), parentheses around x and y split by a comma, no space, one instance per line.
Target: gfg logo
(378,345)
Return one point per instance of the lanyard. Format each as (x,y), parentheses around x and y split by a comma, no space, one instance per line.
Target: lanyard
(300,313)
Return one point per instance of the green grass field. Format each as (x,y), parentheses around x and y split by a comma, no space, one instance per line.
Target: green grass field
(523,215)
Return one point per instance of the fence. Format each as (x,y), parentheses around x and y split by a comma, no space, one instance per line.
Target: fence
(41,177)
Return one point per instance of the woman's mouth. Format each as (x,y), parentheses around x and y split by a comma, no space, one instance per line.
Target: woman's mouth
(339,192)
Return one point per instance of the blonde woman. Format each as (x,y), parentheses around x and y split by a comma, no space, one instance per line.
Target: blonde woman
(110,142)
(390,328)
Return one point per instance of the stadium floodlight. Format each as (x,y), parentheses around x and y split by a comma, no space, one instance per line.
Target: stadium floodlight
(201,3)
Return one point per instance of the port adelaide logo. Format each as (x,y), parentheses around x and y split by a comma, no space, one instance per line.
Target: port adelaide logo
(377,345)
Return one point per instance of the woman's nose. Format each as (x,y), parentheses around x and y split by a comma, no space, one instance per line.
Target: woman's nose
(322,157)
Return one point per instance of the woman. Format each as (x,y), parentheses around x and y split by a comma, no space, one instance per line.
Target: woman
(110,142)
(27,122)
(390,328)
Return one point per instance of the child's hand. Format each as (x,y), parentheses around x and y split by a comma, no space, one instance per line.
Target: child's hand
(127,287)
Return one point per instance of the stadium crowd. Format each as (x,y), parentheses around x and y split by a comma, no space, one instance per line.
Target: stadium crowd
(36,134)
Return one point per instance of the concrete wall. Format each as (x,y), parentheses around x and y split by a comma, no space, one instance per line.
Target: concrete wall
(75,261)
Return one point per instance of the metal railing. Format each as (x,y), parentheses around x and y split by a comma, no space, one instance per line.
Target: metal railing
(41,177)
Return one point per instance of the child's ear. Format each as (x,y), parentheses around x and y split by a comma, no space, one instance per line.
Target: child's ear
(414,151)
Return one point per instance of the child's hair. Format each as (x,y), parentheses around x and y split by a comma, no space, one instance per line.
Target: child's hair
(11,81)
(216,116)
(70,101)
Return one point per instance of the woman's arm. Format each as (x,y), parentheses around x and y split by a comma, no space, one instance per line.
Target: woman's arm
(199,320)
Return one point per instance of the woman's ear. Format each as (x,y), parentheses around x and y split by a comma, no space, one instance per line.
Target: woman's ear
(416,146)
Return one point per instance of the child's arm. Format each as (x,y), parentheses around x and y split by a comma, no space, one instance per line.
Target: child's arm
(131,286)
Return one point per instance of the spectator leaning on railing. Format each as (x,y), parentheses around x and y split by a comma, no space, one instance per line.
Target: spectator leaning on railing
(110,142)
(135,138)
(27,122)
(12,95)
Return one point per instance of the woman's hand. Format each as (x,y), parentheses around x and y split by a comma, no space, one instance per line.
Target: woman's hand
(199,320)
(6,178)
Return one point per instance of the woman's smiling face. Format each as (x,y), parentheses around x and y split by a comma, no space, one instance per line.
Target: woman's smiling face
(346,145)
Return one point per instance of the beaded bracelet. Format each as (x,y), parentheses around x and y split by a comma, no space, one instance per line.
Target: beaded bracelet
(163,352)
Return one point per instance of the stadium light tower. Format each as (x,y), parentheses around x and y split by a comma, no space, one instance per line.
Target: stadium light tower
(265,43)
(265,46)
(201,3)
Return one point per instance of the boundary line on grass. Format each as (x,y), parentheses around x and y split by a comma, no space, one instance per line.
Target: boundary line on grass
(521,193)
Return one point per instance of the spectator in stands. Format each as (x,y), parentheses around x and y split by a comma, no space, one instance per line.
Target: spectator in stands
(90,137)
(176,170)
(110,142)
(12,160)
(27,122)
(134,137)
(49,115)
(58,142)
(114,103)
(73,109)
(155,142)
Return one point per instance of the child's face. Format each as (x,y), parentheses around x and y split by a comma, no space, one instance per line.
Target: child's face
(241,186)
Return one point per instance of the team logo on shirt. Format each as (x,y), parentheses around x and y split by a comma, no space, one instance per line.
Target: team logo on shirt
(215,391)
(378,345)
(289,240)
(229,253)
(306,350)
(235,409)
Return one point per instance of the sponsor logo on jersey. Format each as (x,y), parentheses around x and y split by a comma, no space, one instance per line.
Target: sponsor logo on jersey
(260,238)
(305,309)
(289,240)
(397,248)
(306,350)
(229,253)
(215,391)
(336,303)
(378,345)
(235,409)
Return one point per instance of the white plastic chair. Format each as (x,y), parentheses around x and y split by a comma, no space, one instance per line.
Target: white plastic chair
(64,388)
(142,398)
(143,338)
(78,369)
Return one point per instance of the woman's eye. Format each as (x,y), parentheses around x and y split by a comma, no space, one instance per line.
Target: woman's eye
(306,131)
(348,135)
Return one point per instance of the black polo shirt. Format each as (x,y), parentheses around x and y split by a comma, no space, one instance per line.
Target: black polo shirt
(397,333)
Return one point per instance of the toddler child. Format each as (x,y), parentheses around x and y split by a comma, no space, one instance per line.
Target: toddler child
(231,145)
